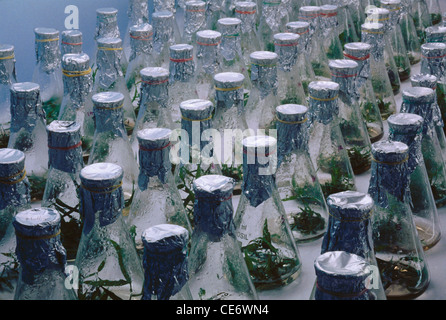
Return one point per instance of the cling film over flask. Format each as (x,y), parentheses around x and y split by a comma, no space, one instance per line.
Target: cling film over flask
(7,78)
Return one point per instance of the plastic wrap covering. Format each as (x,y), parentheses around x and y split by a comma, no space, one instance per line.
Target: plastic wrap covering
(311,14)
(108,112)
(264,71)
(286,46)
(360,53)
(71,42)
(341,276)
(246,12)
(194,17)
(182,65)
(153,155)
(154,86)
(420,101)
(349,226)
(138,12)
(229,88)
(7,64)
(208,50)
(259,164)
(429,81)
(213,209)
(344,73)
(64,146)
(389,173)
(38,242)
(272,13)
(323,104)
(164,261)
(162,22)
(14,185)
(301,28)
(373,34)
(108,59)
(47,49)
(141,40)
(436,34)
(230,29)
(101,194)
(433,60)
(107,23)
(77,79)
(196,117)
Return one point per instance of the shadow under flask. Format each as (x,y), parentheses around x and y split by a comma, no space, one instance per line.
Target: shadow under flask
(14,197)
(407,128)
(398,250)
(261,224)
(41,255)
(7,78)
(107,260)
(71,42)
(217,270)
(157,199)
(165,263)
(47,71)
(62,186)
(342,275)
(350,230)
(326,143)
(28,133)
(296,179)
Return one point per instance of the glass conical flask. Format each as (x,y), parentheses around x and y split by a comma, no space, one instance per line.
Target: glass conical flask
(272,20)
(76,102)
(110,142)
(357,13)
(347,28)
(350,230)
(157,199)
(436,34)
(106,27)
(342,276)
(208,62)
(71,42)
(153,105)
(326,143)
(41,255)
(217,269)
(165,263)
(140,57)
(360,53)
(316,52)
(138,15)
(261,225)
(214,11)
(7,78)
(353,126)
(421,101)
(165,34)
(406,128)
(263,98)
(434,11)
(47,71)
(373,33)
(28,133)
(246,11)
(296,177)
(410,35)
(171,6)
(62,186)
(110,76)
(307,75)
(14,197)
(289,87)
(398,250)
(421,17)
(329,28)
(108,263)
(194,20)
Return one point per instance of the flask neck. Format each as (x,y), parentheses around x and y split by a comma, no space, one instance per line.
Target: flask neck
(140,46)
(48,55)
(109,120)
(7,71)
(413,141)
(208,58)
(154,162)
(264,78)
(77,88)
(156,91)
(287,55)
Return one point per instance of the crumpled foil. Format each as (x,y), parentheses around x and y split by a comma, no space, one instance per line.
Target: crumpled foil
(196,118)
(395,11)
(311,14)
(373,34)
(264,71)
(329,19)
(162,5)
(64,135)
(302,28)
(194,17)
(380,15)
(107,23)
(138,12)
(47,49)
(360,53)
(162,22)
(71,42)
(225,81)
(154,86)
(230,46)
(323,104)
(213,208)
(100,194)
(109,61)
(286,46)
(433,60)
(7,66)
(37,255)
(153,155)
(79,87)
(164,261)
(344,72)
(141,40)
(182,64)
(208,50)
(435,34)
(108,112)
(272,13)
(246,11)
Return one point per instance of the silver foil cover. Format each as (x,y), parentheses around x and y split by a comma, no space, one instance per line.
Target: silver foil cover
(229,88)
(311,14)
(302,28)
(182,64)
(287,48)
(138,12)
(47,49)
(194,16)
(230,29)
(208,50)
(360,53)
(433,60)
(7,64)
(435,34)
(420,101)
(196,117)
(429,81)
(108,112)
(373,34)
(323,104)
(395,10)
(107,23)
(109,59)
(162,22)
(264,71)
(164,5)
(154,86)
(344,72)
(141,40)
(246,11)
(272,13)
(379,15)
(77,78)
(71,42)
(329,18)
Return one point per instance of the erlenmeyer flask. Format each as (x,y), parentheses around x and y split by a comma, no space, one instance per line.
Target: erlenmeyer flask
(373,33)
(217,270)
(214,11)
(194,20)
(357,13)
(273,18)
(71,42)
(360,53)
(289,86)
(406,128)
(165,34)
(157,199)
(138,15)
(107,27)
(410,36)
(246,11)
(421,17)
(434,9)
(110,141)
(436,34)
(7,78)
(62,186)
(296,178)
(28,134)
(347,28)
(401,262)
(261,225)
(329,29)
(108,263)
(352,124)
(326,144)
(165,263)
(421,101)
(350,230)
